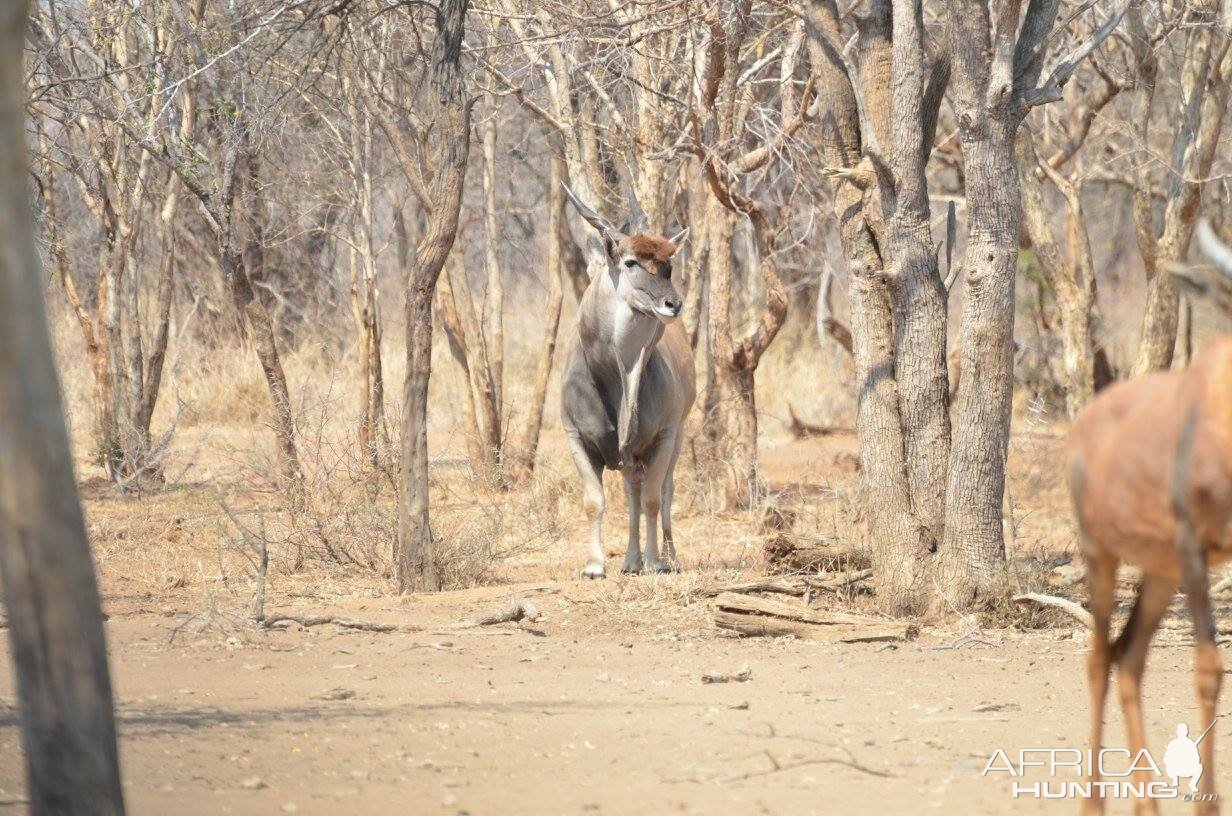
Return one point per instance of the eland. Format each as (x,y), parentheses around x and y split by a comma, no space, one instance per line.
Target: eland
(628,385)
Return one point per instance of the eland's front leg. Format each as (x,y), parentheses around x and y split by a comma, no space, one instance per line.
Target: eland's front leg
(657,468)
(591,472)
(633,494)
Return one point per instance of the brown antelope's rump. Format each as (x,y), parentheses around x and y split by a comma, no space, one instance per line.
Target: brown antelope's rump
(1150,470)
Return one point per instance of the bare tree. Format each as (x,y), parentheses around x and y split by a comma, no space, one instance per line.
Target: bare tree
(935,500)
(725,94)
(447,147)
(55,621)
(997,65)
(213,174)
(119,184)
(1195,124)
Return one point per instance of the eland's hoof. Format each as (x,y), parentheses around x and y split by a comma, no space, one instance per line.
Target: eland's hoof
(594,572)
(660,567)
(631,566)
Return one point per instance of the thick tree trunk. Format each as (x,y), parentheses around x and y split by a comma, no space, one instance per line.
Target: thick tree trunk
(973,552)
(899,542)
(415,556)
(55,623)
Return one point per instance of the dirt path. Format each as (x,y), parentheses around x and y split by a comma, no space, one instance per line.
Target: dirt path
(580,716)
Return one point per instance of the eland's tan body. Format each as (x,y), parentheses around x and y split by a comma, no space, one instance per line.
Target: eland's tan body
(628,385)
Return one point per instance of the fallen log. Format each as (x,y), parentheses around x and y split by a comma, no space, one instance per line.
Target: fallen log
(754,616)
(307,621)
(784,585)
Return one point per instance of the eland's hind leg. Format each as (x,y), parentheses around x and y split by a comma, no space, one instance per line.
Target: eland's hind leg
(665,511)
(657,467)
(591,471)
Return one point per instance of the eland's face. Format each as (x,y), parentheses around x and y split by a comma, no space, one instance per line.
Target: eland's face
(642,266)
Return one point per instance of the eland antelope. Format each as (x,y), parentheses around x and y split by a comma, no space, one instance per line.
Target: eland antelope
(628,385)
(1150,470)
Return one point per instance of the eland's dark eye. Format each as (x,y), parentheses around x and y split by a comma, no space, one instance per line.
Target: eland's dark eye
(630,263)
(666,269)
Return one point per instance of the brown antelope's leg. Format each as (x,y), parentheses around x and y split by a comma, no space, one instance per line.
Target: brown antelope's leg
(1101,586)
(1129,654)
(1208,667)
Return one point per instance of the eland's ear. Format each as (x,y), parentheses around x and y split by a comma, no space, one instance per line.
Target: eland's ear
(679,238)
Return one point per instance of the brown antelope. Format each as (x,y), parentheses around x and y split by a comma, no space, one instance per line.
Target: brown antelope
(1150,471)
(628,385)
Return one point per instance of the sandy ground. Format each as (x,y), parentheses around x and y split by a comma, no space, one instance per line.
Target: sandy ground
(597,707)
(553,717)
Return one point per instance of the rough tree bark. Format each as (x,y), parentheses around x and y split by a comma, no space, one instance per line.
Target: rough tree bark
(55,622)
(897,296)
(448,145)
(996,66)
(934,503)
(1206,79)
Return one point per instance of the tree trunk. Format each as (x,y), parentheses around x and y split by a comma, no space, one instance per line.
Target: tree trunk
(522,459)
(1072,279)
(55,623)
(973,552)
(449,143)
(494,296)
(900,545)
(240,268)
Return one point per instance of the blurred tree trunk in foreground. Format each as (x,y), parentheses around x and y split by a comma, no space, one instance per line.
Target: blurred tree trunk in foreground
(56,629)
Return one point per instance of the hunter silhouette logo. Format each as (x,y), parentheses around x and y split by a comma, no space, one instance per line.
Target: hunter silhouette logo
(1066,773)
(1181,757)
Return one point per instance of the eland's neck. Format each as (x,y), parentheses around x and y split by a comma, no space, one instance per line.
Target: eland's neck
(615,334)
